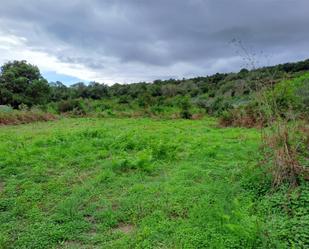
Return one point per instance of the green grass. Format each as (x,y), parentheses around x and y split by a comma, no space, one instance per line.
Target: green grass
(138,183)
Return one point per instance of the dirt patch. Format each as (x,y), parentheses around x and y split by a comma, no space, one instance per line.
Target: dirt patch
(124,228)
(90,219)
(197,116)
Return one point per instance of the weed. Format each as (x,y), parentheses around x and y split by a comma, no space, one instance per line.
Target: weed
(142,183)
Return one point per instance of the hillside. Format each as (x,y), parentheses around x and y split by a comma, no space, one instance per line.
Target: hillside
(212,94)
(210,162)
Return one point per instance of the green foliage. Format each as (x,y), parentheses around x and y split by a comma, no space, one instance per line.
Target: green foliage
(6,109)
(124,183)
(218,105)
(72,105)
(292,95)
(288,217)
(22,83)
(287,99)
(185,106)
(9,116)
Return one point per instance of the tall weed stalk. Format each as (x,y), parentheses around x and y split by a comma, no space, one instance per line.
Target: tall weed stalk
(284,136)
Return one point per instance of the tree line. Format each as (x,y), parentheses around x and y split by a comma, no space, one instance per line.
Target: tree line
(21,83)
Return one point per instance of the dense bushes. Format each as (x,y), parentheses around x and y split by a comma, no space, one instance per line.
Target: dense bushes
(241,117)
(283,109)
(293,96)
(22,83)
(73,106)
(286,100)
(233,96)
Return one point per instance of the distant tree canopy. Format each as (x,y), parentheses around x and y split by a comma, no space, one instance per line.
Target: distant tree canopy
(22,83)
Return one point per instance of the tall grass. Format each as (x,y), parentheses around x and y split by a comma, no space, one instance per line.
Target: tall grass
(8,116)
(281,111)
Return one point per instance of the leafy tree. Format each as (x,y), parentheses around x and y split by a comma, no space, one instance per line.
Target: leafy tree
(58,91)
(97,90)
(22,83)
(169,90)
(79,90)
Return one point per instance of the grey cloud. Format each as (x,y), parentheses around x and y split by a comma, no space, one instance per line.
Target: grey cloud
(159,34)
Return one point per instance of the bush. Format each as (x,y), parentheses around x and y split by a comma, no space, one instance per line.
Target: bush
(238,118)
(290,97)
(142,161)
(74,106)
(185,106)
(6,109)
(124,100)
(100,106)
(286,147)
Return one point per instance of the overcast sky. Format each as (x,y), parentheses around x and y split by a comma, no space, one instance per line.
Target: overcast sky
(142,40)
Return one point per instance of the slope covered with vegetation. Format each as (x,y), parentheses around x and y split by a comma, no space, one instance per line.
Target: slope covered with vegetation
(140,183)
(167,177)
(21,84)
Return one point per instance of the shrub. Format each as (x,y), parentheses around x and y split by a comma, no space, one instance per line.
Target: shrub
(238,118)
(164,151)
(290,99)
(157,109)
(124,100)
(185,106)
(285,146)
(6,109)
(243,116)
(100,106)
(72,105)
(142,161)
(218,105)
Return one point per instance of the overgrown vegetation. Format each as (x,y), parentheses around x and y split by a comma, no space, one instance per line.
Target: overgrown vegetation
(9,116)
(286,100)
(219,94)
(281,110)
(287,148)
(156,183)
(124,183)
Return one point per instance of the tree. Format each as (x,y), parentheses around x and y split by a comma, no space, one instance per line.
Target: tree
(79,90)
(58,91)
(97,90)
(169,90)
(22,83)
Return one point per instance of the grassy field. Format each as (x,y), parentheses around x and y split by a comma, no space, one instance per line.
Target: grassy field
(135,183)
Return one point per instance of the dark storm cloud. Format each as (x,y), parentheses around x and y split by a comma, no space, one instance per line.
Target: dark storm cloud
(159,34)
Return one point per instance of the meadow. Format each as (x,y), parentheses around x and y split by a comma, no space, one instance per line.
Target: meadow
(141,183)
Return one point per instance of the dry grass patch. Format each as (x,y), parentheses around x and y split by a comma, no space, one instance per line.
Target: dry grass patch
(24,117)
